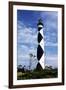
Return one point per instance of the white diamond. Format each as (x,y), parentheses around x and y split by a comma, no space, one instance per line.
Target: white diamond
(41,61)
(42,44)
(41,31)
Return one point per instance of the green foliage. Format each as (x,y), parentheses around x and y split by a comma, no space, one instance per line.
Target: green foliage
(36,74)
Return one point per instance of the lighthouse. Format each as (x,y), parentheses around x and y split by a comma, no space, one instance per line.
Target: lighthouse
(40,46)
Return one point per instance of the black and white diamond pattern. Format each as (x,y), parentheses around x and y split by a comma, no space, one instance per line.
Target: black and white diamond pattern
(39,37)
(39,52)
(40,48)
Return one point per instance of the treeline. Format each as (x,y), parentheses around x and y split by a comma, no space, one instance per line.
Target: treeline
(48,72)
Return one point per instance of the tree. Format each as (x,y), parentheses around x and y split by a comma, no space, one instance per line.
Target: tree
(19,66)
(31,55)
(32,58)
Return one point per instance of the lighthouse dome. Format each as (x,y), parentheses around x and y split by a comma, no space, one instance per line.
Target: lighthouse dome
(40,22)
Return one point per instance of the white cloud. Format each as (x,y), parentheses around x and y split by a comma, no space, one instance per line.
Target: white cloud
(49,15)
(52,57)
(26,34)
(27,43)
(51,60)
(51,44)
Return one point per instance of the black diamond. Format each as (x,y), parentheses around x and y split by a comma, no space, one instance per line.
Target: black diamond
(39,28)
(38,67)
(39,37)
(39,52)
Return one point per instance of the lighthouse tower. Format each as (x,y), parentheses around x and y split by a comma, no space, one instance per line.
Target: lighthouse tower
(40,47)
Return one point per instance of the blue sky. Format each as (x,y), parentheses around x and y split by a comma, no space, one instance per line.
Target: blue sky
(27,36)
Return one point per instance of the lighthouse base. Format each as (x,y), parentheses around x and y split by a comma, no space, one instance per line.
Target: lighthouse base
(38,67)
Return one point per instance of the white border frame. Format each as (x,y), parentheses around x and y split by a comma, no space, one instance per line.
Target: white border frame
(36,81)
